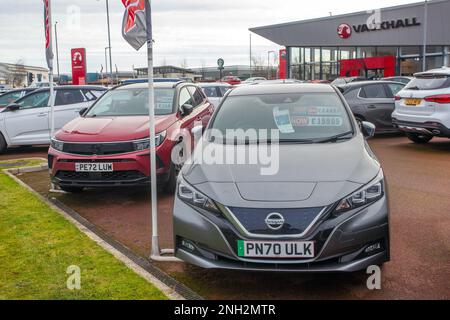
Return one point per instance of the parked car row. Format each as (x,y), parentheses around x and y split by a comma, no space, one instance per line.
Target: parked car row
(27,120)
(231,216)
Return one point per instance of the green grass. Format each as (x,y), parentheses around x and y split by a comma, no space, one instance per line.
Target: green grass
(37,245)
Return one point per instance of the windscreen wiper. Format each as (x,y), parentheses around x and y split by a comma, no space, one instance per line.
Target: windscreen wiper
(335,138)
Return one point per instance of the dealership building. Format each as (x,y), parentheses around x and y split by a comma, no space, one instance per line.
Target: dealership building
(382,42)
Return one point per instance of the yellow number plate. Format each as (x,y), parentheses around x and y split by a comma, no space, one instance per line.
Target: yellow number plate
(413,102)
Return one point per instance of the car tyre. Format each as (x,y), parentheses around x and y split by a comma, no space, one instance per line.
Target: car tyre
(3,144)
(175,169)
(72,189)
(419,138)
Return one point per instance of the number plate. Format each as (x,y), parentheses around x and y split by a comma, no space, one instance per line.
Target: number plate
(94,167)
(413,102)
(270,249)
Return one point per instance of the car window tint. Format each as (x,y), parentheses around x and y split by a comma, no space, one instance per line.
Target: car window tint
(211,92)
(197,96)
(185,98)
(294,115)
(34,100)
(373,91)
(66,97)
(132,102)
(89,95)
(97,93)
(394,88)
(10,97)
(223,90)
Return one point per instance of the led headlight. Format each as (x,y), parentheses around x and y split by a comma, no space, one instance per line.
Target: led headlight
(368,194)
(57,145)
(195,198)
(144,144)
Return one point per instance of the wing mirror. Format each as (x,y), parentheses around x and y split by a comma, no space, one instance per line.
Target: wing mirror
(83,111)
(13,107)
(186,109)
(368,129)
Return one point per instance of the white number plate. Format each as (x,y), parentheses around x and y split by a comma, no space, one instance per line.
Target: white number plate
(269,249)
(94,167)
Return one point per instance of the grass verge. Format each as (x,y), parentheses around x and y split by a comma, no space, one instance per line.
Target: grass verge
(37,245)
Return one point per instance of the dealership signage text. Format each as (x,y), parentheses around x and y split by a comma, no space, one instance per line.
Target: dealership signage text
(386,25)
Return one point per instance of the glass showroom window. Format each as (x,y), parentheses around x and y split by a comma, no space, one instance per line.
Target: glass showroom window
(435,62)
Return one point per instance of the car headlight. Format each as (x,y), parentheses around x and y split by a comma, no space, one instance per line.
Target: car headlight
(368,194)
(57,145)
(144,144)
(195,198)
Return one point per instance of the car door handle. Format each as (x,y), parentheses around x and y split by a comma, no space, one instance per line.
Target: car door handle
(372,106)
(42,115)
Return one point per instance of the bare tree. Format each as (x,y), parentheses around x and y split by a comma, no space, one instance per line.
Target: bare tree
(184,65)
(259,67)
(18,74)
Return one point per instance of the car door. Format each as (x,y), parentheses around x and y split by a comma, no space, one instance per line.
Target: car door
(378,105)
(68,103)
(30,124)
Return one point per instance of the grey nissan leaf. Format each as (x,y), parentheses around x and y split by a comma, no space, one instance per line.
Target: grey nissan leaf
(282,179)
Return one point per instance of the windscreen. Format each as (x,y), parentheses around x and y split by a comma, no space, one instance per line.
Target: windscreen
(132,102)
(297,117)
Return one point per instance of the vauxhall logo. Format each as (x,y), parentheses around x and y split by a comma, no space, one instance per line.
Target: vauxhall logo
(344,31)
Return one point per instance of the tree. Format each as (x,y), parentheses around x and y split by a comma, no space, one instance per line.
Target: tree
(17,74)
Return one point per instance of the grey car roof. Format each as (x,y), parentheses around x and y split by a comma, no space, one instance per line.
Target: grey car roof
(363,83)
(213,84)
(72,88)
(158,85)
(282,88)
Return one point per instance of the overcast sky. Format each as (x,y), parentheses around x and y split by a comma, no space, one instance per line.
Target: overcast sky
(197,31)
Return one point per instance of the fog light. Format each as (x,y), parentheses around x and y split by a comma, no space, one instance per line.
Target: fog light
(188,245)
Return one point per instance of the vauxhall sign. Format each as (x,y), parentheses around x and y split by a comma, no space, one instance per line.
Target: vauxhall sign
(344,30)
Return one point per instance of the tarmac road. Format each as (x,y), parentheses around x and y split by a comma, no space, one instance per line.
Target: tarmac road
(419,186)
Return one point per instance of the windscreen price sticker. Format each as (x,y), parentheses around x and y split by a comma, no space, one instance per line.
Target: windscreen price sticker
(318,111)
(299,121)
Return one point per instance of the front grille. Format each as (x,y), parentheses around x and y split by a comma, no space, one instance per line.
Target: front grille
(100,176)
(296,221)
(87,149)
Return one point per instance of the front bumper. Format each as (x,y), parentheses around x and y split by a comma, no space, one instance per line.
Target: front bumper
(341,241)
(431,128)
(132,169)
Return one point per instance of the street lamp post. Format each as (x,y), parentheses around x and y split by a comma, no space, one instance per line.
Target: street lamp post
(268,64)
(109,42)
(106,63)
(425,36)
(57,51)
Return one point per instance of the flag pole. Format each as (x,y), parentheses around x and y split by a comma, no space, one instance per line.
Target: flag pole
(151,102)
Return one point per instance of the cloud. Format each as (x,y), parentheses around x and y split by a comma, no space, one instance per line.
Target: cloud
(199,31)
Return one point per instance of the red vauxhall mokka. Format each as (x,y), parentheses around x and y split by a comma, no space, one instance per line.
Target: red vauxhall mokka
(108,146)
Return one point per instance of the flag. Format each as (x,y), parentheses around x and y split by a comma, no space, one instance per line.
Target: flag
(48,33)
(136,29)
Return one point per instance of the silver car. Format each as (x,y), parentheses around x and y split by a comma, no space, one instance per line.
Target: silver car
(324,208)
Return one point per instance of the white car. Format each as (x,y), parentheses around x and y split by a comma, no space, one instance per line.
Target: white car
(422,108)
(27,121)
(215,91)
